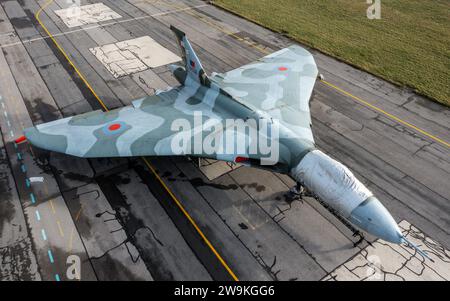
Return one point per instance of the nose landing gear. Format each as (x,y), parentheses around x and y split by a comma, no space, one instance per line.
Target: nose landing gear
(299,191)
(359,234)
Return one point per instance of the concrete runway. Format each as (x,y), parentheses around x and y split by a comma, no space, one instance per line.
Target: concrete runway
(163,218)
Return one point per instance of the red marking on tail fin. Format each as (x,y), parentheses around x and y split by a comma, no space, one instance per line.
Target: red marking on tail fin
(20,139)
(282,68)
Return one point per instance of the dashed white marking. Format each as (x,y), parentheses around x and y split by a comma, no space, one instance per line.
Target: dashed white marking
(44,235)
(102,25)
(50,256)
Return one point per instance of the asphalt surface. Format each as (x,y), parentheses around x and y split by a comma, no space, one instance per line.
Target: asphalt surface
(163,218)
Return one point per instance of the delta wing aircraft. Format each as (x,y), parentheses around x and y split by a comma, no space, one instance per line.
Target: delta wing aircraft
(274,92)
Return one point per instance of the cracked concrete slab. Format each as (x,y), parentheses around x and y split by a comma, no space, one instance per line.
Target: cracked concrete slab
(102,234)
(386,261)
(212,169)
(248,221)
(86,14)
(164,251)
(135,55)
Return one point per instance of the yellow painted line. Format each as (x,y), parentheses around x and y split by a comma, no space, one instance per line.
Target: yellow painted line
(191,220)
(194,224)
(366,103)
(227,32)
(37,16)
(387,114)
(71,240)
(53,207)
(60,228)
(45,187)
(31,150)
(79,213)
(114,22)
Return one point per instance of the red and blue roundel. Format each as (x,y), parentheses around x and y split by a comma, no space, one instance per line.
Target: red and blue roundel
(114,128)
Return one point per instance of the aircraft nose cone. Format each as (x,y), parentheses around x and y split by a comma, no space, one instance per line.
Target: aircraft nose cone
(371,216)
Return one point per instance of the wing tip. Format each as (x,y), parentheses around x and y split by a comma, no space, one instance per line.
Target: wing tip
(56,143)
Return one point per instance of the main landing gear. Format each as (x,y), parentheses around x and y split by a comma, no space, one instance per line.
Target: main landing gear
(297,192)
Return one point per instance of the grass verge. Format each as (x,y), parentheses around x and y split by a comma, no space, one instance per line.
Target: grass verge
(409,45)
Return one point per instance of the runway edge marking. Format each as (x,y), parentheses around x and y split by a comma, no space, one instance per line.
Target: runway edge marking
(177,202)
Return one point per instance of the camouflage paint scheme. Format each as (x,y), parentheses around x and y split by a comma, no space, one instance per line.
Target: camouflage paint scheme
(277,86)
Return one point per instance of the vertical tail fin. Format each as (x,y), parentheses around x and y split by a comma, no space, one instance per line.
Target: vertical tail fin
(192,64)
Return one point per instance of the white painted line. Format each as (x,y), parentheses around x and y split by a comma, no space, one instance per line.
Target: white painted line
(36,179)
(11,133)
(3,105)
(5,113)
(105,24)
(8,123)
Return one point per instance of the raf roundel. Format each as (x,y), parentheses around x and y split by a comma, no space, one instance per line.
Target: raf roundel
(329,180)
(114,128)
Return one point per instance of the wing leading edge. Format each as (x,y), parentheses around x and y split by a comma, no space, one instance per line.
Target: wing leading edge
(160,125)
(278,86)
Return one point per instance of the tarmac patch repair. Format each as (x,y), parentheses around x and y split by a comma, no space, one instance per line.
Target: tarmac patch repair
(135,55)
(86,14)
